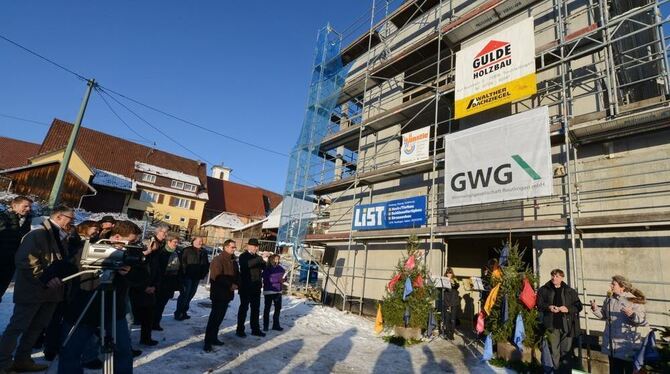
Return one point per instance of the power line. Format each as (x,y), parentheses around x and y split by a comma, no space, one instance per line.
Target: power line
(201,127)
(24,119)
(172,139)
(43,58)
(97,90)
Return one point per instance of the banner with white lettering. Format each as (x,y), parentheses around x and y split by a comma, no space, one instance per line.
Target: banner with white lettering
(415,146)
(394,214)
(497,69)
(506,159)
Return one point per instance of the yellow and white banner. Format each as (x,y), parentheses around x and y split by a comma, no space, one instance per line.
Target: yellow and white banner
(496,70)
(415,146)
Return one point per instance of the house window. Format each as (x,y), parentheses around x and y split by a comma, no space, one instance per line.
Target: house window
(178,184)
(182,220)
(148,196)
(149,178)
(181,203)
(166,217)
(190,187)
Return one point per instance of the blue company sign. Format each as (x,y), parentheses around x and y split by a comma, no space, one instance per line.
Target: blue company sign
(394,214)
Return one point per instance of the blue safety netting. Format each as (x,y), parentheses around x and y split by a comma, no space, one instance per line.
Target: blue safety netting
(307,167)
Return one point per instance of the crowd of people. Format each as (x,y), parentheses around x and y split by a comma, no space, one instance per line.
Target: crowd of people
(65,317)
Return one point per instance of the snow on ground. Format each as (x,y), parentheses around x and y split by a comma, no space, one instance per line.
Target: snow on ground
(315,339)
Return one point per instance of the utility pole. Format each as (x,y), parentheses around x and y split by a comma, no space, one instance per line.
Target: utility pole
(54,197)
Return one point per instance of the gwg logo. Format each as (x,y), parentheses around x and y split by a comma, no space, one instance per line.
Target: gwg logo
(502,175)
(369,217)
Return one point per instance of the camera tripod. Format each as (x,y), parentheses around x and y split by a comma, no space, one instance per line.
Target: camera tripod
(107,341)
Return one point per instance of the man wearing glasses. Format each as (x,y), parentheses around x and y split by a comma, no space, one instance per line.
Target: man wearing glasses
(40,265)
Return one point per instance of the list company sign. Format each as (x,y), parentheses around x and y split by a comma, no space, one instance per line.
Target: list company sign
(496,70)
(506,159)
(394,214)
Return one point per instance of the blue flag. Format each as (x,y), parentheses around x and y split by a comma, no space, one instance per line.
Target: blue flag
(488,348)
(648,352)
(408,289)
(504,254)
(519,333)
(431,324)
(505,309)
(547,361)
(405,317)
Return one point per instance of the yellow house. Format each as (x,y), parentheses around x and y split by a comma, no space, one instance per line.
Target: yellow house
(168,195)
(77,164)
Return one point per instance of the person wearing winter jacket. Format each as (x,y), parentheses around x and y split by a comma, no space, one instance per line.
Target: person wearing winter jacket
(251,266)
(451,303)
(560,307)
(14,224)
(224,279)
(625,317)
(143,295)
(195,267)
(170,269)
(273,277)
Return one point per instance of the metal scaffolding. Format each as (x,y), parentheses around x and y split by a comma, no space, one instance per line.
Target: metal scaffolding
(602,69)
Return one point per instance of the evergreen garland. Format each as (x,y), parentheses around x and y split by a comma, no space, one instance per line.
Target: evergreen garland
(513,274)
(420,302)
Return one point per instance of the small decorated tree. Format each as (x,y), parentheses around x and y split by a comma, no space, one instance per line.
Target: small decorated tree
(501,324)
(414,309)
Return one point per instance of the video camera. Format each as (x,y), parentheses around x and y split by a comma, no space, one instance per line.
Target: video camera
(106,255)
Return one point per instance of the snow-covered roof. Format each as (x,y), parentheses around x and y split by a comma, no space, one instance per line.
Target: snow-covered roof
(225,220)
(109,179)
(200,195)
(167,173)
(251,224)
(272,221)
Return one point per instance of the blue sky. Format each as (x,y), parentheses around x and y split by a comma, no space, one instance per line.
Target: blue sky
(238,67)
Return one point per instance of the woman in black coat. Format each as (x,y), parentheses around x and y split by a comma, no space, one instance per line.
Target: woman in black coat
(143,296)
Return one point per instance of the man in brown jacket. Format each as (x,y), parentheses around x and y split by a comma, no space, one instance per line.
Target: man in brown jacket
(224,277)
(40,265)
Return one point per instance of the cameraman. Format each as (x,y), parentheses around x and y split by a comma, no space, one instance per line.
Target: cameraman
(40,266)
(70,357)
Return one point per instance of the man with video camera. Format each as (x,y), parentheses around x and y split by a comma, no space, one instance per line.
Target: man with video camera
(122,234)
(40,265)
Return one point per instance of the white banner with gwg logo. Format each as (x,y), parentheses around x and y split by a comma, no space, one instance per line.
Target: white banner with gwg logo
(506,159)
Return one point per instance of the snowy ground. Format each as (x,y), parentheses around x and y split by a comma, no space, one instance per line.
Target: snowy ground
(315,340)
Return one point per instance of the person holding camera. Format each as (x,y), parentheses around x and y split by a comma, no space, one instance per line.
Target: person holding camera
(195,265)
(624,315)
(14,224)
(251,267)
(224,278)
(123,233)
(560,307)
(41,264)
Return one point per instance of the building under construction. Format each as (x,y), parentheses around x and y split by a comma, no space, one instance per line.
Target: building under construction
(600,78)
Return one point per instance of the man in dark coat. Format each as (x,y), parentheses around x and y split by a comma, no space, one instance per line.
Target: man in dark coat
(251,281)
(14,224)
(124,232)
(560,307)
(195,265)
(41,265)
(225,278)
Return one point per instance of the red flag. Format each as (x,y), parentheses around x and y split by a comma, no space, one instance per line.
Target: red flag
(418,282)
(393,281)
(409,265)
